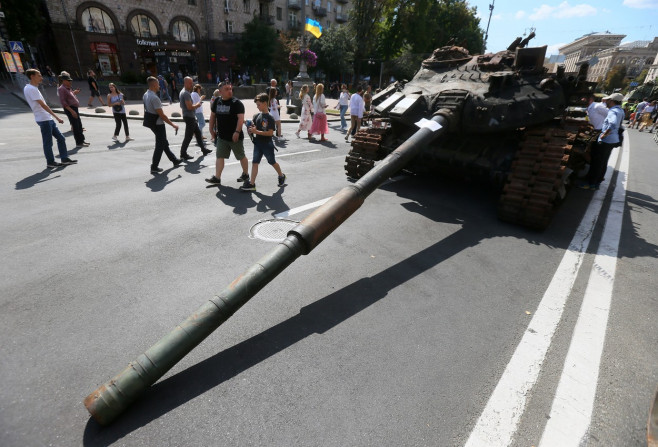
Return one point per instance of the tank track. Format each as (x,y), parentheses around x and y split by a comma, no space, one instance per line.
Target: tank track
(538,176)
(365,150)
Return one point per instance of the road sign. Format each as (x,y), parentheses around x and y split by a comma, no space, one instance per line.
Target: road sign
(16,46)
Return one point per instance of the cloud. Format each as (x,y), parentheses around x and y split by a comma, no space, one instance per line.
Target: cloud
(641,4)
(519,15)
(565,11)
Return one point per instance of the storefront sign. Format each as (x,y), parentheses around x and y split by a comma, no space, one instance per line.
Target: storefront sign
(102,47)
(180,54)
(148,43)
(12,63)
(159,53)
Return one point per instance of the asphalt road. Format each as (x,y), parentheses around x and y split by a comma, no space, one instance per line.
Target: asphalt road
(395,331)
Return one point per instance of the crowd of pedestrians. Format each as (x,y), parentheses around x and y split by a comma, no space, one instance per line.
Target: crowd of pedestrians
(227,116)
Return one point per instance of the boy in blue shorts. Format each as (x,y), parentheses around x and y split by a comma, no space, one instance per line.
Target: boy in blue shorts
(262,130)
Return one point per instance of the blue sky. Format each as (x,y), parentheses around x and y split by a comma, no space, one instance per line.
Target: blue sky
(559,22)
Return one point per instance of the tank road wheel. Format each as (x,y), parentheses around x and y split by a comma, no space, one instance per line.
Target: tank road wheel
(365,151)
(537,178)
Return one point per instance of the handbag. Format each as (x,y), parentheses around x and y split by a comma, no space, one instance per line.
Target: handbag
(150,119)
(117,108)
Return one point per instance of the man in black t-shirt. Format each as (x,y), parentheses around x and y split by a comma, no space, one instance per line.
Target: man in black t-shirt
(93,88)
(226,119)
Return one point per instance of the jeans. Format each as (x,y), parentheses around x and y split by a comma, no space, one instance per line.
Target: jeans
(164,94)
(48,131)
(191,128)
(76,123)
(118,119)
(201,121)
(161,145)
(343,122)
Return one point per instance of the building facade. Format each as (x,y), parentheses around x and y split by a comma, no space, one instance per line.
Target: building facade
(605,51)
(193,37)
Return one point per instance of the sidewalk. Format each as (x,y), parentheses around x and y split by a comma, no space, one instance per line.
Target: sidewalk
(135,109)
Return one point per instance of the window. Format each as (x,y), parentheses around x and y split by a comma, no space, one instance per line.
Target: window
(279,13)
(306,2)
(292,19)
(183,31)
(246,6)
(191,2)
(339,9)
(329,7)
(95,20)
(143,26)
(229,27)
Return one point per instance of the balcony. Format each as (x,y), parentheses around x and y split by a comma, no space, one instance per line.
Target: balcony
(343,1)
(266,19)
(295,26)
(319,11)
(295,4)
(341,18)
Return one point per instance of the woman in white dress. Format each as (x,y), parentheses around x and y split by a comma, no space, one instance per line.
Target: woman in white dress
(305,120)
(274,111)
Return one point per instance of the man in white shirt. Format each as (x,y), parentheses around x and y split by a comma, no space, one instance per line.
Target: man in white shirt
(356,112)
(596,112)
(43,115)
(638,112)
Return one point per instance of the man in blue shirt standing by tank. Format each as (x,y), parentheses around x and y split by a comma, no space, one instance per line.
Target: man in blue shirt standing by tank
(608,140)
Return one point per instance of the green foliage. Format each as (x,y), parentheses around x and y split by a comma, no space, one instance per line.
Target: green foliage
(642,76)
(616,78)
(421,26)
(366,24)
(406,64)
(130,77)
(258,46)
(335,51)
(24,19)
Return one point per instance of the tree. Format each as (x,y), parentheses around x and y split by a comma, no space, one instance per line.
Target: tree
(642,77)
(335,51)
(366,23)
(616,78)
(420,26)
(258,46)
(24,19)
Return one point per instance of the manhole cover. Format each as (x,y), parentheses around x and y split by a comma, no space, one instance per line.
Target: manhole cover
(272,230)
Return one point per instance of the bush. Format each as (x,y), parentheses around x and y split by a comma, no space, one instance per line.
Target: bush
(130,77)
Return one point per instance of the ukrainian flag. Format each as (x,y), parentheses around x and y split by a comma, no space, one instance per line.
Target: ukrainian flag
(313,27)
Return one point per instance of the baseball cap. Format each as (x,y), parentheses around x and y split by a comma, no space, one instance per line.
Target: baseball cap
(617,97)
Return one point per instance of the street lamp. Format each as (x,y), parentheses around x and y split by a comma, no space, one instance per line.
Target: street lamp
(381,69)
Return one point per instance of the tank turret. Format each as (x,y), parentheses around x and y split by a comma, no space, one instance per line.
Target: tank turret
(511,123)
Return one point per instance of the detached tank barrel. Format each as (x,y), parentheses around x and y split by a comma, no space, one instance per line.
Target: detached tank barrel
(111,399)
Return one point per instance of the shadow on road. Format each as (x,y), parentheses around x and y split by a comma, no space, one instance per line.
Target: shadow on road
(37,178)
(158,182)
(464,205)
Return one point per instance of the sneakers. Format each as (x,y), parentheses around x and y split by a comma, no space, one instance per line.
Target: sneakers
(178,162)
(206,151)
(248,186)
(156,170)
(83,144)
(68,161)
(186,156)
(214,180)
(244,177)
(115,138)
(129,139)
(297,134)
(53,165)
(282,180)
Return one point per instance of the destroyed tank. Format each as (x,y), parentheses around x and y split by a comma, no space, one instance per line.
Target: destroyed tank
(509,120)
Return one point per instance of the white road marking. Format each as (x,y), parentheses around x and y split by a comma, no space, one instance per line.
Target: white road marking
(499,420)
(573,403)
(301,209)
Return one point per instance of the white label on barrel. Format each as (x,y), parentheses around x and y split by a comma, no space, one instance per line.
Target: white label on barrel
(431,125)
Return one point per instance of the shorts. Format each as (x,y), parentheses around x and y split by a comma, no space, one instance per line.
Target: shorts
(95,93)
(224,149)
(265,148)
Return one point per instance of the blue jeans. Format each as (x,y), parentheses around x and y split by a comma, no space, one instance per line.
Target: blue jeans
(48,131)
(343,123)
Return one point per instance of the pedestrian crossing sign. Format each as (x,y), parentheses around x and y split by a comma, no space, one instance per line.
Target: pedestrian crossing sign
(16,46)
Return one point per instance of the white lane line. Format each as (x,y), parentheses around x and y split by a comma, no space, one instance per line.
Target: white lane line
(301,209)
(321,202)
(499,419)
(277,156)
(573,403)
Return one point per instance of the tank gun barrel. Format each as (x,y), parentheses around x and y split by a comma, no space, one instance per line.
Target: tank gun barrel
(112,398)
